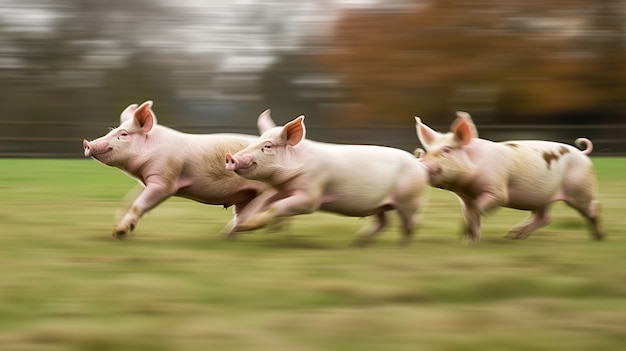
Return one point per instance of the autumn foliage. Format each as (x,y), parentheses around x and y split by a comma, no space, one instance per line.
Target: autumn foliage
(514,62)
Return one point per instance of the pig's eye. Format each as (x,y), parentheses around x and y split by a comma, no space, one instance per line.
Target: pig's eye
(124,134)
(266,147)
(446,150)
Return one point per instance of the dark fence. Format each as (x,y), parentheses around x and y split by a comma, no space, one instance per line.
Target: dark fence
(64,140)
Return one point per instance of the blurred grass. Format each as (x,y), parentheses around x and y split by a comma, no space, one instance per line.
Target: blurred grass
(65,284)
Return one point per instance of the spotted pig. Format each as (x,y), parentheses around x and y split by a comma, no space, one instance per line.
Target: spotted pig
(526,175)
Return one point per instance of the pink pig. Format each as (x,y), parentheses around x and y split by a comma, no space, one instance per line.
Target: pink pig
(352,180)
(171,163)
(526,175)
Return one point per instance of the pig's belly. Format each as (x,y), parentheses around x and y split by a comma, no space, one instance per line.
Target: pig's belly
(224,198)
(354,208)
(530,199)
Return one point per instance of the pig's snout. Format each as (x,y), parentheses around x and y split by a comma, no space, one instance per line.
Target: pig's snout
(94,148)
(433,169)
(231,162)
(238,163)
(87,148)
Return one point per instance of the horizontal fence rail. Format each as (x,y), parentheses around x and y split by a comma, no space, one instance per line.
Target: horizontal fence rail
(64,140)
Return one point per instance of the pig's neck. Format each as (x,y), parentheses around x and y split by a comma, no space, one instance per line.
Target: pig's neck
(291,166)
(156,152)
(485,162)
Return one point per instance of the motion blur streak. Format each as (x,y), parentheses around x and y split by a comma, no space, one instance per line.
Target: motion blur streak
(533,69)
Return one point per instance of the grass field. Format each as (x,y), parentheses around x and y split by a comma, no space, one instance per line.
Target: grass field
(66,284)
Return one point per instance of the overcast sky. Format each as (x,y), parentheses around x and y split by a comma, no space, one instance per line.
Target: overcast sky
(237,34)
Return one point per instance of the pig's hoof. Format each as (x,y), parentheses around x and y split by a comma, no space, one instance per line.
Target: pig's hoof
(244,227)
(122,233)
(516,235)
(599,236)
(230,236)
(252,224)
(470,240)
(119,234)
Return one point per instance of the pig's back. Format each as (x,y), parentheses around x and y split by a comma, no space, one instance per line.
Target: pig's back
(224,138)
(538,170)
(372,158)
(543,158)
(363,178)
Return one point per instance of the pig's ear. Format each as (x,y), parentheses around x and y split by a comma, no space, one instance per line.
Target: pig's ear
(128,113)
(294,131)
(425,134)
(144,117)
(463,128)
(265,122)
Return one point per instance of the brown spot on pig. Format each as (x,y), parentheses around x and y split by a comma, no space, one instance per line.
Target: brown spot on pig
(563,150)
(549,157)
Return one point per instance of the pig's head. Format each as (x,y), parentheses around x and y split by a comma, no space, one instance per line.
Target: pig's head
(123,143)
(271,157)
(447,156)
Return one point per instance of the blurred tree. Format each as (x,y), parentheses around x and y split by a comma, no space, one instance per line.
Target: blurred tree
(59,61)
(525,62)
(609,75)
(293,86)
(59,58)
(142,77)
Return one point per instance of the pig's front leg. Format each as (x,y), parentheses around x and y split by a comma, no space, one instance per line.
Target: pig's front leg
(471,215)
(474,209)
(490,200)
(299,203)
(243,211)
(366,234)
(153,194)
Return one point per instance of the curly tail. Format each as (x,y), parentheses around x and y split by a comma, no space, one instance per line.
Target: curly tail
(580,142)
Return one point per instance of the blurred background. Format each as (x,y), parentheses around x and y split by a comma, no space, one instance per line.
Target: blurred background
(358,69)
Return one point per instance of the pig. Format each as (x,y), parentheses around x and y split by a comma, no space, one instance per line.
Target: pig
(526,175)
(352,180)
(171,163)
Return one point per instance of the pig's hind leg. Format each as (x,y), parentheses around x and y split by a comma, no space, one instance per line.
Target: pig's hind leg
(581,194)
(410,222)
(368,232)
(537,219)
(590,210)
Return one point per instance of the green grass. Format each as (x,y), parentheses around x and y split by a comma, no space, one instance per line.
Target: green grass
(66,284)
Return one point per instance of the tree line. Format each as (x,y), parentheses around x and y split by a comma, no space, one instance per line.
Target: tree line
(549,62)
